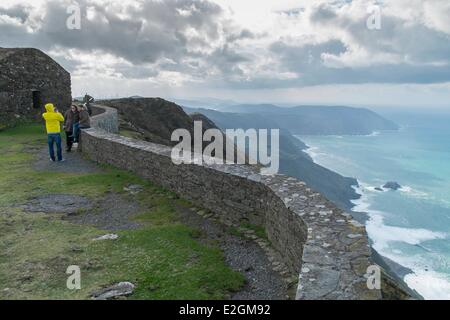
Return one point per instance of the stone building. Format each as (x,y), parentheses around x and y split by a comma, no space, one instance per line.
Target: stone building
(28,80)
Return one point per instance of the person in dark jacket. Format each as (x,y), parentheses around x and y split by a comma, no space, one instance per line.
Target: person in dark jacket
(87,101)
(84,122)
(71,117)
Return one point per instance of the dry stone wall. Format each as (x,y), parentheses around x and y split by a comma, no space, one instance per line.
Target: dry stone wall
(324,245)
(23,71)
(105,119)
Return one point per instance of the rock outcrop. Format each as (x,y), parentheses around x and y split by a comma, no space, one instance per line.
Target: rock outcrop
(392,185)
(121,289)
(154,120)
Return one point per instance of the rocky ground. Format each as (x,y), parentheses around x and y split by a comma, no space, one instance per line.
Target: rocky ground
(243,255)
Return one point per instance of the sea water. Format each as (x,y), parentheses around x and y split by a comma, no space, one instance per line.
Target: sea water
(411,226)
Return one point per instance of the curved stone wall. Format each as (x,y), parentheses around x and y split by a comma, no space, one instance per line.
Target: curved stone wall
(324,245)
(105,119)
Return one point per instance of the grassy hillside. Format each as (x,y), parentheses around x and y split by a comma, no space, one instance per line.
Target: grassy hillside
(162,257)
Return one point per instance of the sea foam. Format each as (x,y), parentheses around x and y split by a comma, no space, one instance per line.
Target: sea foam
(429,283)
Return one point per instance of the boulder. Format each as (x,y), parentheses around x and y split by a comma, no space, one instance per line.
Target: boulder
(110,236)
(120,289)
(392,185)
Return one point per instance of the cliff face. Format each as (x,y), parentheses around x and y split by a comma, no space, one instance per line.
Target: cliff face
(293,161)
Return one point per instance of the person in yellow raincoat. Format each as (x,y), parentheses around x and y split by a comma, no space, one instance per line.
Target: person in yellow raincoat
(53,120)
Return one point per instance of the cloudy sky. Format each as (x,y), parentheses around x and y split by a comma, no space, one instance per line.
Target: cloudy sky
(283,51)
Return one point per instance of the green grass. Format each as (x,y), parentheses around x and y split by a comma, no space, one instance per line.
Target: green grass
(260,231)
(163,258)
(130,134)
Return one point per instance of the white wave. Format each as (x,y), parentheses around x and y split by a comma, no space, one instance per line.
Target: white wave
(314,153)
(374,134)
(428,282)
(413,192)
(431,285)
(406,190)
(421,195)
(382,234)
(365,187)
(362,204)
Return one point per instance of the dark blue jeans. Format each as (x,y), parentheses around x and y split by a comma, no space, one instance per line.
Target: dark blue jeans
(53,138)
(76,131)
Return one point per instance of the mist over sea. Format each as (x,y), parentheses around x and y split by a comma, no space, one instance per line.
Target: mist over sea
(412,225)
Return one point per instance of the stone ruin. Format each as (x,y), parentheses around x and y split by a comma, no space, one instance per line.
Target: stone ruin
(28,80)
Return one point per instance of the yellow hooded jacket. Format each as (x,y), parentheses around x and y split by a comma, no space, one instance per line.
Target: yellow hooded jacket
(52,119)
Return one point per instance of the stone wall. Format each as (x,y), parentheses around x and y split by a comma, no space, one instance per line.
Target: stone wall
(325,246)
(25,70)
(105,118)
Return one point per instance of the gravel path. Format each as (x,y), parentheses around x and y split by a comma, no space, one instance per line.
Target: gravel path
(242,255)
(74,163)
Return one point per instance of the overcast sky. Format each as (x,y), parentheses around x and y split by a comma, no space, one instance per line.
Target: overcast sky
(281,51)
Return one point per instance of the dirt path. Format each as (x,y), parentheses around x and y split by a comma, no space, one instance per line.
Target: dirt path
(74,162)
(242,255)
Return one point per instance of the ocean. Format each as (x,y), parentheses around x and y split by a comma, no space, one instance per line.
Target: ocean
(410,226)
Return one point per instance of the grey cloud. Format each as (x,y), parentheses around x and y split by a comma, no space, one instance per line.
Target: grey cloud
(323,13)
(414,41)
(244,34)
(157,29)
(306,61)
(160,29)
(306,57)
(20,12)
(154,31)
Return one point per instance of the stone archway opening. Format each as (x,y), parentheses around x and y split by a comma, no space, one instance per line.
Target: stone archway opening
(37,99)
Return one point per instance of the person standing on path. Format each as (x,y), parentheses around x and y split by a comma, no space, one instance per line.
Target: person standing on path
(87,101)
(84,123)
(53,121)
(70,118)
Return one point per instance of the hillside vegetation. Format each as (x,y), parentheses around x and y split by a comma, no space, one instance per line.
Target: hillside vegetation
(160,255)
